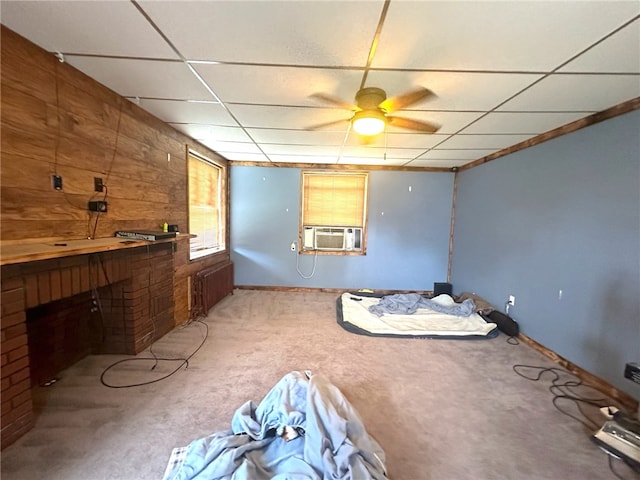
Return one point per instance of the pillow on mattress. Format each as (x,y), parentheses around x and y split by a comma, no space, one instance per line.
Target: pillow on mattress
(482,306)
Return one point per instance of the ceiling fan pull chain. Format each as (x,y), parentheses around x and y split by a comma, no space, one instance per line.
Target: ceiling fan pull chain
(386,132)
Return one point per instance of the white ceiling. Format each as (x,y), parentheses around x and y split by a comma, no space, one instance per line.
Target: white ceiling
(238,75)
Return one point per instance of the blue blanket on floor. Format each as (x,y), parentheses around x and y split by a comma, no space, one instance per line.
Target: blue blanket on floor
(326,439)
(409,303)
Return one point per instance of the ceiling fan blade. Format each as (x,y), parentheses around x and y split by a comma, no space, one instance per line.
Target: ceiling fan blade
(413,124)
(323,97)
(320,126)
(409,98)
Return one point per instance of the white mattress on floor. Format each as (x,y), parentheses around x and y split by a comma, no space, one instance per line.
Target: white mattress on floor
(355,310)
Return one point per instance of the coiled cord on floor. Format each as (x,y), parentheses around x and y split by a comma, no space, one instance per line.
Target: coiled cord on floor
(632,467)
(513,340)
(564,390)
(184,362)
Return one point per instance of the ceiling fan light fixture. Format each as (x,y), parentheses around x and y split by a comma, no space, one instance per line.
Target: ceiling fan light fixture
(369,122)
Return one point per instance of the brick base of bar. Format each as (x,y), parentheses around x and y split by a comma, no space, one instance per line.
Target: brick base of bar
(56,311)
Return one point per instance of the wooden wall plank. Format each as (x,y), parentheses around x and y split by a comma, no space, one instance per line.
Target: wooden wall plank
(26,66)
(55,119)
(25,144)
(60,121)
(12,166)
(22,110)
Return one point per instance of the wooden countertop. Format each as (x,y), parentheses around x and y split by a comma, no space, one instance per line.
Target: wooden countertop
(12,252)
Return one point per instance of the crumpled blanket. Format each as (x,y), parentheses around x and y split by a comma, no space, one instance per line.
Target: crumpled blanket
(409,303)
(303,429)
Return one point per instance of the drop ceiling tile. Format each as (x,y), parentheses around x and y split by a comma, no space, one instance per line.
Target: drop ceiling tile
(571,92)
(377,152)
(483,141)
(312,33)
(459,91)
(244,157)
(180,111)
(99,28)
(296,137)
(213,133)
(462,155)
(618,53)
(358,141)
(232,147)
(371,156)
(193,131)
(305,150)
(373,160)
(402,139)
(527,123)
(437,163)
(278,85)
(297,158)
(523,35)
(449,122)
(289,117)
(143,78)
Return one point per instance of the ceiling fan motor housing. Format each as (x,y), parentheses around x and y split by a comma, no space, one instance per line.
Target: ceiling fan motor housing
(369,98)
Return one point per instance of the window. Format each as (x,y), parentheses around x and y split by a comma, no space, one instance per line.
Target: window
(206,206)
(334,211)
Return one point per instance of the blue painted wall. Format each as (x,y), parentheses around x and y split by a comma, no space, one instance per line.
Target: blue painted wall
(408,238)
(563,215)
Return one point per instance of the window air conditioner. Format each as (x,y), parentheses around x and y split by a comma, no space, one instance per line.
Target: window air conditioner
(333,239)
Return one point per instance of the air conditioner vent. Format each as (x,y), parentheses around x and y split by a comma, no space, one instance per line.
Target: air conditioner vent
(335,239)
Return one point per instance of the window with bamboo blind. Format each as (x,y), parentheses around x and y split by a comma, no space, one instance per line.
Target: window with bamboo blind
(205,206)
(334,199)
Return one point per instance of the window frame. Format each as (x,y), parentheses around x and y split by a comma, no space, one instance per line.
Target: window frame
(365,209)
(222,209)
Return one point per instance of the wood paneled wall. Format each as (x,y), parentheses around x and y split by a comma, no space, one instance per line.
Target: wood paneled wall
(56,120)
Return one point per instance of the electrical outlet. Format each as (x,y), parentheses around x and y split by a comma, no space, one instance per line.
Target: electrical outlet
(56,181)
(632,372)
(98,206)
(98,186)
(512,300)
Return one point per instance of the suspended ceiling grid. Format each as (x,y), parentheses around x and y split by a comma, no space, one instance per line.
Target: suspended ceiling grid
(238,75)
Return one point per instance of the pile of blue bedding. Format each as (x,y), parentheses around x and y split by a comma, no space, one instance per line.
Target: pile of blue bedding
(409,303)
(304,428)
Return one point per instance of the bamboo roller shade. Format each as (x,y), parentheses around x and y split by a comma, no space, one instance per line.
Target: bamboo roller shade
(334,199)
(204,204)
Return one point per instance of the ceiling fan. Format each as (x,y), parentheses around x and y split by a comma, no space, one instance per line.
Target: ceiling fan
(372,111)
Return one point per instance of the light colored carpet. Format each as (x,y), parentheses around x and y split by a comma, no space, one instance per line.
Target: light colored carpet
(441,409)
